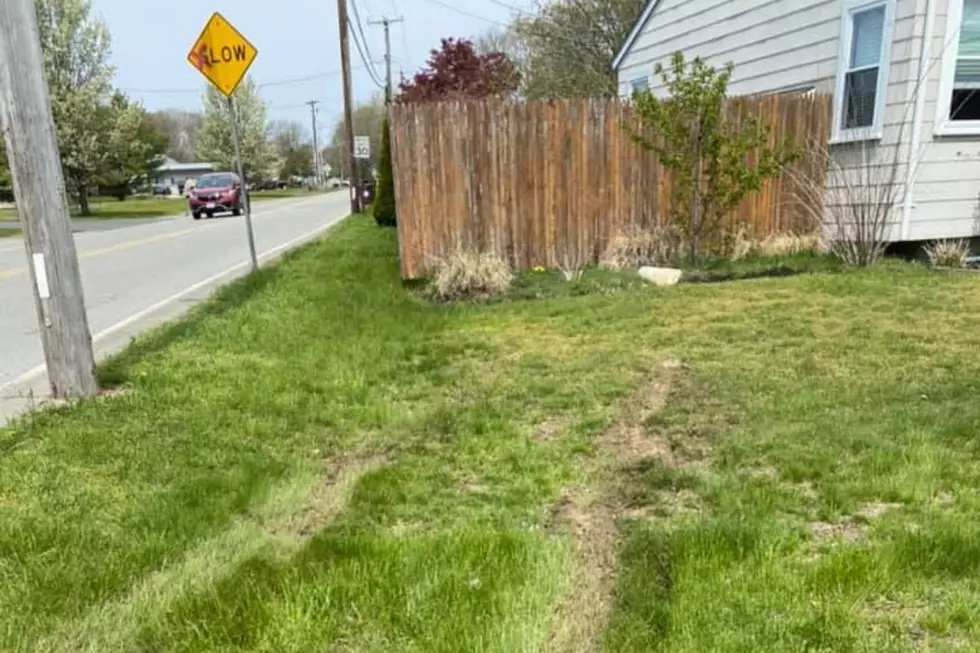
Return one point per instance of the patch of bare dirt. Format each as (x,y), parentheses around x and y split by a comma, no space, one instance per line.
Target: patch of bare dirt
(549,430)
(321,504)
(844,531)
(590,515)
(875,509)
(580,618)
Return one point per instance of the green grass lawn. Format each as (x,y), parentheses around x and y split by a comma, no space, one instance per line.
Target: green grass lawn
(111,208)
(318,460)
(285,193)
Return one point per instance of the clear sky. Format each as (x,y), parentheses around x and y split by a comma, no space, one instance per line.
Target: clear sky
(295,39)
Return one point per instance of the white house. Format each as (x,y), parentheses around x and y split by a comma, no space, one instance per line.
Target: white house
(902,72)
(175,174)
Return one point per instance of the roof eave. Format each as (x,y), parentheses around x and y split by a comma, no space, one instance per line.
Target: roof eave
(634,33)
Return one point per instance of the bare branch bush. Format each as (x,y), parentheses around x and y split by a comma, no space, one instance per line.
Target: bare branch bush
(856,204)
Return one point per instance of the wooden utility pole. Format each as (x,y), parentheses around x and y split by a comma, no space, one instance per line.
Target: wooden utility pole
(387,23)
(344,22)
(316,150)
(42,204)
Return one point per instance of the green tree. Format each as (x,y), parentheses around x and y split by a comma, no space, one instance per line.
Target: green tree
(76,51)
(215,145)
(367,119)
(385,212)
(293,148)
(6,183)
(564,50)
(297,162)
(134,146)
(705,150)
(181,129)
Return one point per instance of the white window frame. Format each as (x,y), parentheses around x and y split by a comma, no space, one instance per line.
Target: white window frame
(644,80)
(873,131)
(951,46)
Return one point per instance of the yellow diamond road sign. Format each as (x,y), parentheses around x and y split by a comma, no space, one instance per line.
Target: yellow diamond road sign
(222,54)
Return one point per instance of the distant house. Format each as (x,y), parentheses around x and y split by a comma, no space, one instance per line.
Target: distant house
(173,173)
(903,73)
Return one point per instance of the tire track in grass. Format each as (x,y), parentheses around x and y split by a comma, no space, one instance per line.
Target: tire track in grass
(591,512)
(292,514)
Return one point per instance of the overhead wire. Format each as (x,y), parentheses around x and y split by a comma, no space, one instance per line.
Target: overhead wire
(358,29)
(364,58)
(446,5)
(275,82)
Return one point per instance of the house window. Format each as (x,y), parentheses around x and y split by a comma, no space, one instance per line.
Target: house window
(862,71)
(965,97)
(639,84)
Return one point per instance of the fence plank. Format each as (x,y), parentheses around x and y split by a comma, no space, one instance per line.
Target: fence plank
(544,183)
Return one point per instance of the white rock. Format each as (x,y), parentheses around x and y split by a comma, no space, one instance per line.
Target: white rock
(661,276)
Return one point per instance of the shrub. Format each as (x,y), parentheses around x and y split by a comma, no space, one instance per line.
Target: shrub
(634,246)
(857,201)
(706,152)
(472,276)
(384,209)
(948,253)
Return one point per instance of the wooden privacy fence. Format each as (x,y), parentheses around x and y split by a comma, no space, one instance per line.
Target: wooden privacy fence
(543,183)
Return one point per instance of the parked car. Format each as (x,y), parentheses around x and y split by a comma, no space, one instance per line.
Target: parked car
(219,192)
(161,189)
(272,184)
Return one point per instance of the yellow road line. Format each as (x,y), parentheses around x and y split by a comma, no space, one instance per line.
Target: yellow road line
(14,272)
(120,247)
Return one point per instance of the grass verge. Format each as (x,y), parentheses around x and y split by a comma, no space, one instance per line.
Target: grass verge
(316,460)
(285,193)
(296,373)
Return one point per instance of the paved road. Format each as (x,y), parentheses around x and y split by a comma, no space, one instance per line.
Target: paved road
(140,275)
(91,224)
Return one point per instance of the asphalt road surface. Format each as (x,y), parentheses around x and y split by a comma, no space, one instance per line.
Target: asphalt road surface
(139,275)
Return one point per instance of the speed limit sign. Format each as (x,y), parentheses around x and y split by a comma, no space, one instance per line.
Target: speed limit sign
(362,147)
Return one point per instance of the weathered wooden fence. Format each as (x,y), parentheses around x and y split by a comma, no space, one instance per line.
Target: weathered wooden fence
(544,181)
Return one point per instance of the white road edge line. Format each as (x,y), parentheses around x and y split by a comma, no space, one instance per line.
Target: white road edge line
(135,317)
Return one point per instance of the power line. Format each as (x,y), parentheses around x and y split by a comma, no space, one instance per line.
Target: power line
(275,82)
(386,23)
(364,58)
(507,6)
(459,11)
(366,52)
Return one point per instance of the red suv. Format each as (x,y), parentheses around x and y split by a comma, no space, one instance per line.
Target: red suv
(220,192)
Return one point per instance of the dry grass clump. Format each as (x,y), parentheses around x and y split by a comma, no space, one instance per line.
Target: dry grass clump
(948,253)
(470,276)
(738,245)
(777,245)
(635,246)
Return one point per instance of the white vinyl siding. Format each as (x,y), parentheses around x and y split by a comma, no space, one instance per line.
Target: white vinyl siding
(862,70)
(947,176)
(785,45)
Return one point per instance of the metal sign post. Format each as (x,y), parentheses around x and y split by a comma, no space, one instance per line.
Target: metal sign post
(244,183)
(223,55)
